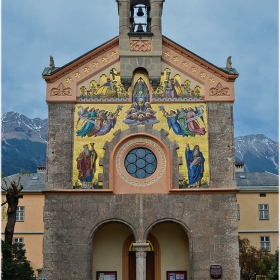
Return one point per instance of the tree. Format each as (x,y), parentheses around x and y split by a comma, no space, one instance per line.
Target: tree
(12,195)
(273,273)
(253,261)
(15,266)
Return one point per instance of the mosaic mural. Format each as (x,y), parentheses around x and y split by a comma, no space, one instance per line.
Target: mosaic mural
(171,88)
(185,121)
(95,121)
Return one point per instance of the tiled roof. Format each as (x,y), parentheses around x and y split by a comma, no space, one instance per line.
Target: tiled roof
(257,181)
(34,182)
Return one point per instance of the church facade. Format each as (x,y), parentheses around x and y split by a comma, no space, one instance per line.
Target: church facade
(140,180)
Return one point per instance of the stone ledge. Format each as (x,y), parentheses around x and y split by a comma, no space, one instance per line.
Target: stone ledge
(204,191)
(78,191)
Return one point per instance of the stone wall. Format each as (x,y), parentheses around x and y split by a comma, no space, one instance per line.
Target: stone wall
(221,145)
(210,221)
(60,146)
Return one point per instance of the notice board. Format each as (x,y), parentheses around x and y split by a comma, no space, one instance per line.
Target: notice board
(106,275)
(176,275)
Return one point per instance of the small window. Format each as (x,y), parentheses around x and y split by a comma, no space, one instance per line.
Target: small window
(18,241)
(238,212)
(263,212)
(262,194)
(20,214)
(265,243)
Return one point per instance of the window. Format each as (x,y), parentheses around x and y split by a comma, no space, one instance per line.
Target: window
(20,214)
(238,212)
(263,212)
(265,243)
(262,194)
(18,241)
(140,163)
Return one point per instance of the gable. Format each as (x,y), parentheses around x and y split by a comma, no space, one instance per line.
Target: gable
(190,72)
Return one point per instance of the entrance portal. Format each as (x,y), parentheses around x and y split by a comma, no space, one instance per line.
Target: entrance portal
(150,265)
(150,262)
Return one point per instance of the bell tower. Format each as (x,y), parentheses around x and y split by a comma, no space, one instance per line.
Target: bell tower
(140,38)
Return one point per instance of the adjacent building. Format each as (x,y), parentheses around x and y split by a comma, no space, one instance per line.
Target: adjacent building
(258,208)
(29,228)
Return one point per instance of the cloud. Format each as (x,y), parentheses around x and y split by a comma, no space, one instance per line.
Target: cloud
(246,30)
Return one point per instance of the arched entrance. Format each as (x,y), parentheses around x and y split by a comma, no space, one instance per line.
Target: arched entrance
(152,259)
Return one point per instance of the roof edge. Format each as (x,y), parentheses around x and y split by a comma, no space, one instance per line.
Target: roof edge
(226,73)
(51,75)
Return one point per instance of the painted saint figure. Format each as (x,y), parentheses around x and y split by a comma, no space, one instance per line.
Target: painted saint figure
(191,122)
(195,164)
(185,121)
(86,165)
(97,122)
(90,117)
(169,89)
(182,121)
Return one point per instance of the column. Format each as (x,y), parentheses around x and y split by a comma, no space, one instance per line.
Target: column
(141,260)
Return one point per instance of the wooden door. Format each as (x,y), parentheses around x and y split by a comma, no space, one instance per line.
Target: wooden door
(132,266)
(150,266)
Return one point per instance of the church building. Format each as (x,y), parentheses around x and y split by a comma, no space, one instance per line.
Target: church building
(140,179)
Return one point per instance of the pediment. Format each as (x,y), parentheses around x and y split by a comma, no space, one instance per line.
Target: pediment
(63,82)
(194,78)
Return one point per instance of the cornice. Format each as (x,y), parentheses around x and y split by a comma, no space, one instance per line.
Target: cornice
(204,191)
(197,191)
(77,191)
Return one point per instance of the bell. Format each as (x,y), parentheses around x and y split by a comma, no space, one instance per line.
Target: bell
(140,12)
(140,28)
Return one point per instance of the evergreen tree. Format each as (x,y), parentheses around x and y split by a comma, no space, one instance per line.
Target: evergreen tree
(15,265)
(273,273)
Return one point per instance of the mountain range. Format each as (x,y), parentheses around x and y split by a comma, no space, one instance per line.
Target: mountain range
(24,143)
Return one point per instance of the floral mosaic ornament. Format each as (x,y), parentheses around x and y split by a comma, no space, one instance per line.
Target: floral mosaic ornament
(95,121)
(184,121)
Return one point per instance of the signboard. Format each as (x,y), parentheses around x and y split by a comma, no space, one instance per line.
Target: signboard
(216,271)
(176,275)
(106,275)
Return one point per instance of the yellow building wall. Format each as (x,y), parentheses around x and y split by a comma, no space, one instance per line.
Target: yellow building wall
(31,229)
(249,218)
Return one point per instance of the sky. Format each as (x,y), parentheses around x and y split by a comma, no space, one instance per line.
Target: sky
(246,30)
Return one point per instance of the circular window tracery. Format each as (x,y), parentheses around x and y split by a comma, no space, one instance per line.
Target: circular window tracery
(145,143)
(140,163)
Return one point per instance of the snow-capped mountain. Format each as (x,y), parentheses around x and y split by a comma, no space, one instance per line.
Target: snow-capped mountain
(258,152)
(24,146)
(17,126)
(23,143)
